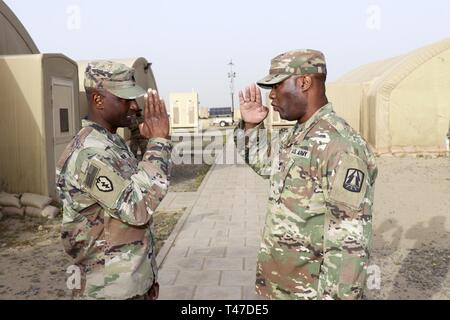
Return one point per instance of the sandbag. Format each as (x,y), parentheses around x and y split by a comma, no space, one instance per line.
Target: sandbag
(35,200)
(9,200)
(33,212)
(13,211)
(50,212)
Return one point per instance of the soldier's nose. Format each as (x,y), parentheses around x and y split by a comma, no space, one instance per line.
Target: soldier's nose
(134,106)
(272,93)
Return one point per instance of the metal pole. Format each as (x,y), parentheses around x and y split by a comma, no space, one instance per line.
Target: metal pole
(232,75)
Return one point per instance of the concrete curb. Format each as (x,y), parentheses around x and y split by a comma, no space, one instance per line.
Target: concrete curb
(164,251)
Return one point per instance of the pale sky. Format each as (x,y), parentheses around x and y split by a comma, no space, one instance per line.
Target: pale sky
(190,43)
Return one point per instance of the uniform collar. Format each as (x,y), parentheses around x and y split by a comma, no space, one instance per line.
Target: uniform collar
(111,136)
(95,125)
(322,112)
(300,129)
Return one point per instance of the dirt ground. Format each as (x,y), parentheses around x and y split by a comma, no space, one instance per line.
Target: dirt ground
(187,178)
(412,228)
(411,237)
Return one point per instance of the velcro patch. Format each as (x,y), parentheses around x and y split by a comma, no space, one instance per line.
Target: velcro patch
(354,180)
(301,153)
(103,183)
(349,185)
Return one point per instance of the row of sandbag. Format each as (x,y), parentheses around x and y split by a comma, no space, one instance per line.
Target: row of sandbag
(27,204)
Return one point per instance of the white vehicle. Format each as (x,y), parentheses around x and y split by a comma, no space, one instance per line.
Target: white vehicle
(223,121)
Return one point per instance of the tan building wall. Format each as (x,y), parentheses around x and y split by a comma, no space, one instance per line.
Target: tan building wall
(203,113)
(39,107)
(184,110)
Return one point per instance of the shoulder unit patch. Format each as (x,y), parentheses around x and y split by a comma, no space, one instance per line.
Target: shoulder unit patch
(349,184)
(353,181)
(104,184)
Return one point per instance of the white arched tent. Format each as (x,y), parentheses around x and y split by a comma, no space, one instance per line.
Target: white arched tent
(402,104)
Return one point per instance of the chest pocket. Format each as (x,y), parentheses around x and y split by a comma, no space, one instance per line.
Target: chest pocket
(298,174)
(291,171)
(302,193)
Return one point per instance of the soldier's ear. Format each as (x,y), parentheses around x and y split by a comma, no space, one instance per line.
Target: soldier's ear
(304,82)
(97,98)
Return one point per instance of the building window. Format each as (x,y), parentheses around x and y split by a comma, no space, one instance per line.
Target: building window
(64,120)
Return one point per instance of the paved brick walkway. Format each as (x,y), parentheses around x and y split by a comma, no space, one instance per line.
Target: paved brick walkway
(213,255)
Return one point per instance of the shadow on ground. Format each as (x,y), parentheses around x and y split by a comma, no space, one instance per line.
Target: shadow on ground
(420,272)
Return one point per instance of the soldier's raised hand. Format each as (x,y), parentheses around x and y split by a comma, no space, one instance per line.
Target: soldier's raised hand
(156,120)
(252,110)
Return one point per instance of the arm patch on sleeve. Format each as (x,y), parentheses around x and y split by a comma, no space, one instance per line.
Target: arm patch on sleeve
(350,182)
(102,182)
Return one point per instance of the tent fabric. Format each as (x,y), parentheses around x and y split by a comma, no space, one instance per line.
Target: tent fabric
(408,64)
(393,70)
(399,104)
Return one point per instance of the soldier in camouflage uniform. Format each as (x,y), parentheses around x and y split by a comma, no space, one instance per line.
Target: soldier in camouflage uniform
(318,230)
(108,196)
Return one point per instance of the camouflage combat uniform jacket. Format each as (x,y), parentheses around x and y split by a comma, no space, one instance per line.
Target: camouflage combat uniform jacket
(318,230)
(108,201)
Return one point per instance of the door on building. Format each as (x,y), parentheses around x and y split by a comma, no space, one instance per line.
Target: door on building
(63,114)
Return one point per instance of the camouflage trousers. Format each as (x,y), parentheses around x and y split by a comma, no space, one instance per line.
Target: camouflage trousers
(142,297)
(151,294)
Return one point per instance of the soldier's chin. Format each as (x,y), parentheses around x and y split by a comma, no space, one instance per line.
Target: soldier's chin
(133,118)
(127,122)
(284,117)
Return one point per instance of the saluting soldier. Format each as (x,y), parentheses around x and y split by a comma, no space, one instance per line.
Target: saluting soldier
(318,231)
(108,196)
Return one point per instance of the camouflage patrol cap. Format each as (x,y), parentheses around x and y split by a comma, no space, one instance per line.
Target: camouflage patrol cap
(296,62)
(114,77)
